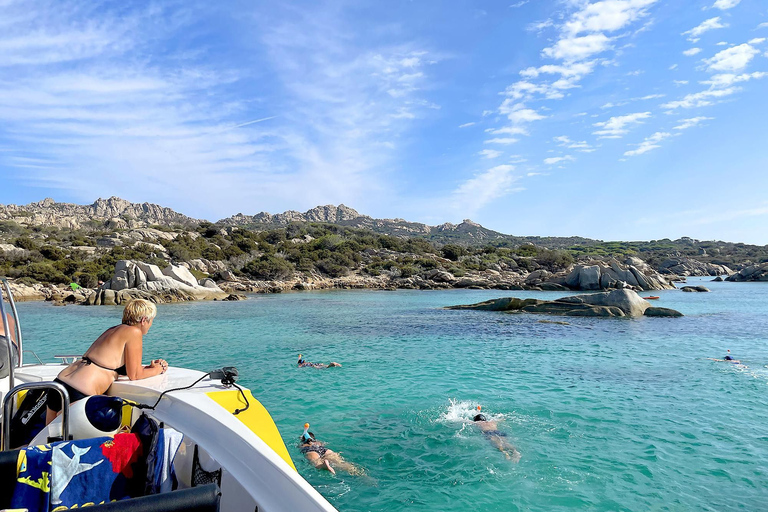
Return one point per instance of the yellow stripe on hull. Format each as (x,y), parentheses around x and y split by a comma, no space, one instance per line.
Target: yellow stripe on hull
(256,418)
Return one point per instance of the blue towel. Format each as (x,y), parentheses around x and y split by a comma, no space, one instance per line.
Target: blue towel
(33,479)
(92,471)
(162,474)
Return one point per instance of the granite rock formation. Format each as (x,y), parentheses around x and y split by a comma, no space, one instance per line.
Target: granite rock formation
(135,279)
(751,273)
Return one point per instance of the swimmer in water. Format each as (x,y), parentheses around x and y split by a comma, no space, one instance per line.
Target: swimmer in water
(306,364)
(496,437)
(321,457)
(728,358)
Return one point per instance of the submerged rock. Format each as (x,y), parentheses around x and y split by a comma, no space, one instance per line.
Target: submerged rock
(662,312)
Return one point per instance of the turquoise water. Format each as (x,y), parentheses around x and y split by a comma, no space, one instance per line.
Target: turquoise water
(609,414)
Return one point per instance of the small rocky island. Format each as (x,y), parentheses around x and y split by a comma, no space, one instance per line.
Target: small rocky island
(616,303)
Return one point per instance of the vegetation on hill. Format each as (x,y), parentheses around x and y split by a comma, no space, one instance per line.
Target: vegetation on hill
(88,254)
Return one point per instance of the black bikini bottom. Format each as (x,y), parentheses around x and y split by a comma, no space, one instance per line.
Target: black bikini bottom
(54,399)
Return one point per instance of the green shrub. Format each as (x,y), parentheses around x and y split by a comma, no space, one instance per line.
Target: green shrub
(268,267)
(52,253)
(27,243)
(453,252)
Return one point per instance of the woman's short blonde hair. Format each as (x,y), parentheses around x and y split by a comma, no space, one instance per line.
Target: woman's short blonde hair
(137,310)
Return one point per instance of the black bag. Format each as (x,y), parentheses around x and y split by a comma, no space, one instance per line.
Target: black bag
(29,418)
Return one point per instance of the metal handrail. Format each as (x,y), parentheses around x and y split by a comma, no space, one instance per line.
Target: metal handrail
(19,343)
(8,341)
(36,356)
(8,409)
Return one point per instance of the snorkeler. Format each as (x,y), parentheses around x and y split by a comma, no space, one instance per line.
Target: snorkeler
(496,437)
(322,457)
(728,358)
(306,364)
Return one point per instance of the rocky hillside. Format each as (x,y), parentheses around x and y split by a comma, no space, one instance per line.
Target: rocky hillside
(114,212)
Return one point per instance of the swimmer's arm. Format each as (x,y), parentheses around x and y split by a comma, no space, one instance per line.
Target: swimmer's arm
(133,354)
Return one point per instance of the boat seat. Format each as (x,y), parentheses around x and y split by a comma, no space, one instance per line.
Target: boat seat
(205,498)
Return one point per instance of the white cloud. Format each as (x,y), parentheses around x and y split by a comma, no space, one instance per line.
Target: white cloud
(651,97)
(700,99)
(648,144)
(558,159)
(673,67)
(691,52)
(466,125)
(728,79)
(725,4)
(517,113)
(705,26)
(519,4)
(763,25)
(680,82)
(722,43)
(501,140)
(735,58)
(508,130)
(616,127)
(572,69)
(490,153)
(690,123)
(578,48)
(563,140)
(757,40)
(483,188)
(606,16)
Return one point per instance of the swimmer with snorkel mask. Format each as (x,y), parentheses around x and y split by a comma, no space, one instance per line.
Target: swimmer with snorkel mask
(496,437)
(303,363)
(321,457)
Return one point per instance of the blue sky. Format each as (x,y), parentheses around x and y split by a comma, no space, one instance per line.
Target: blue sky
(615,119)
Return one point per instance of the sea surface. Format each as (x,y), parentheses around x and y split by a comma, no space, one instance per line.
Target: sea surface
(608,414)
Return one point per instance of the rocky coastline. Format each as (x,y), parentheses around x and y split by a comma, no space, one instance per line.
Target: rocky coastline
(111,250)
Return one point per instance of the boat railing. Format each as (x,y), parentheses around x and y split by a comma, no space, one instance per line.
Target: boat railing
(5,444)
(27,351)
(68,358)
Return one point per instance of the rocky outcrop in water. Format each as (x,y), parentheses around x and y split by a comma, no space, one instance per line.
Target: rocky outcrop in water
(694,289)
(616,303)
(751,273)
(135,279)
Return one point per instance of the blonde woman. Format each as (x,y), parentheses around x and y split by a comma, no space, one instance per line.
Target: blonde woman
(118,351)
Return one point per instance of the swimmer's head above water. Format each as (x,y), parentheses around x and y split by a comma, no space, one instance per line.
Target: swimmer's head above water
(479,416)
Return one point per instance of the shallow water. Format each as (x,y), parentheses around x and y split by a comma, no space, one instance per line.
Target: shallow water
(609,414)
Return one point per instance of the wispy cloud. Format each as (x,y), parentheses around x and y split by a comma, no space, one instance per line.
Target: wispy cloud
(490,153)
(100,93)
(616,127)
(466,125)
(691,52)
(483,188)
(690,123)
(648,144)
(711,24)
(558,159)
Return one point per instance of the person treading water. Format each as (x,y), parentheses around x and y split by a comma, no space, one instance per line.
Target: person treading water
(496,437)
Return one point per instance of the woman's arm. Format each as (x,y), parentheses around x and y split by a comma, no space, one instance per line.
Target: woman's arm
(133,353)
